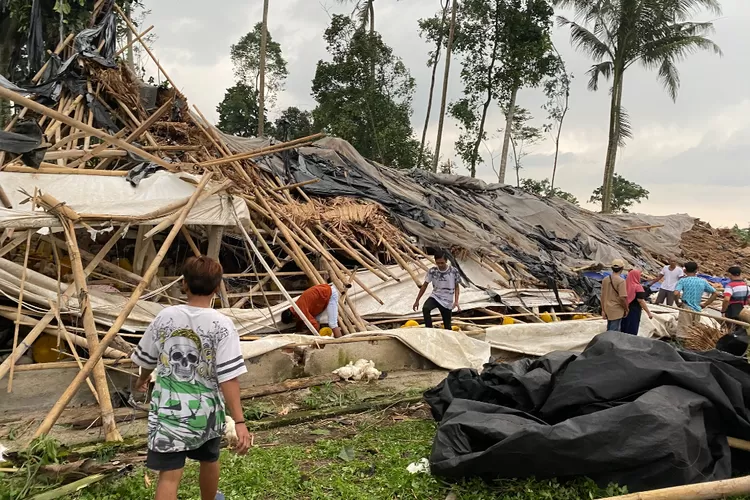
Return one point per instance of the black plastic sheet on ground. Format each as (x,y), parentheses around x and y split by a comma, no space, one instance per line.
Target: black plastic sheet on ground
(628,410)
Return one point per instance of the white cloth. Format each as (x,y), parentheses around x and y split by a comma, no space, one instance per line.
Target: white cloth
(332,310)
(671,277)
(193,350)
(443,285)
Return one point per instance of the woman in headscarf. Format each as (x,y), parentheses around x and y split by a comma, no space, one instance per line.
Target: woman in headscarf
(636,302)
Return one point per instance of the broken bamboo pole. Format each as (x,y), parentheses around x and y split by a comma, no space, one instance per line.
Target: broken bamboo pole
(706,315)
(73,350)
(95,356)
(132,42)
(92,339)
(295,185)
(398,257)
(265,265)
(276,148)
(702,491)
(44,110)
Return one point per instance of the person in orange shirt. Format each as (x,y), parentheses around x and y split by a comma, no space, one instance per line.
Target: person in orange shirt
(312,303)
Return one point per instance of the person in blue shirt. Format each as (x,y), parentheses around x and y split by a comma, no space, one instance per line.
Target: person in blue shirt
(690,290)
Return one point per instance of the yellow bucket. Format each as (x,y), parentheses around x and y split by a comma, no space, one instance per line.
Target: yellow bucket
(508,321)
(455,329)
(410,324)
(546,317)
(41,350)
(578,317)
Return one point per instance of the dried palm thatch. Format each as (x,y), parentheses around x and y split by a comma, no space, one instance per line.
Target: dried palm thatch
(702,337)
(121,84)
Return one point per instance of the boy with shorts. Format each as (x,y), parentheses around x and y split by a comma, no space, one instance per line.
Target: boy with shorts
(195,352)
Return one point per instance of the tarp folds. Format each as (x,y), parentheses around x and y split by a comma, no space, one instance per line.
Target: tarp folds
(25,139)
(628,410)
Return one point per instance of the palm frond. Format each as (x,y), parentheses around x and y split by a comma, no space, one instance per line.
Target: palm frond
(624,128)
(586,41)
(685,9)
(604,69)
(669,77)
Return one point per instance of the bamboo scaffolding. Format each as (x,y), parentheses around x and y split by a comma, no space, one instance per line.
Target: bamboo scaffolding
(95,356)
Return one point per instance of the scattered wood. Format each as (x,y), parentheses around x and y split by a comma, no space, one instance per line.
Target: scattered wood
(701,491)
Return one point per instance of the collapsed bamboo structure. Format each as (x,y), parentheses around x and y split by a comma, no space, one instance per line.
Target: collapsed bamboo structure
(287,241)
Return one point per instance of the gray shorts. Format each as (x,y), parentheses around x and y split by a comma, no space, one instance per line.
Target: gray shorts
(663,295)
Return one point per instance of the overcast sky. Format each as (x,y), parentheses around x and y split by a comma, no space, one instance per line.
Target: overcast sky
(691,155)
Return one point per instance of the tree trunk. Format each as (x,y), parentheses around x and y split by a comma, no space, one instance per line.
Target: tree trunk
(506,137)
(371,15)
(480,132)
(612,144)
(129,38)
(446,75)
(557,140)
(438,48)
(262,84)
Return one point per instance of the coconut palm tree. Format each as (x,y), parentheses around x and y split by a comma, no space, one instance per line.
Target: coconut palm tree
(617,34)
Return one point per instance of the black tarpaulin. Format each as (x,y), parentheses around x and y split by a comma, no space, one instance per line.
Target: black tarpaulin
(628,410)
(25,139)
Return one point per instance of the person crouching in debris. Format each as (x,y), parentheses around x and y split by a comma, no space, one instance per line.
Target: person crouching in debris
(736,294)
(637,296)
(445,291)
(195,352)
(312,303)
(689,291)
(615,297)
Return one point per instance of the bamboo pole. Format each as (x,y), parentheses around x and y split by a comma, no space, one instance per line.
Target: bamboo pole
(263,243)
(136,39)
(701,491)
(190,241)
(170,220)
(39,108)
(73,350)
(717,318)
(265,265)
(350,252)
(296,185)
(95,356)
(276,148)
(56,365)
(96,151)
(20,297)
(373,258)
(84,305)
(262,282)
(399,258)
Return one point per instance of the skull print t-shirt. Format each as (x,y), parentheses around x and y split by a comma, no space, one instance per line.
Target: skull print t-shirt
(191,350)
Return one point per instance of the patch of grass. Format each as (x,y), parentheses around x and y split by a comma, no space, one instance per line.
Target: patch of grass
(374,468)
(331,395)
(258,410)
(40,452)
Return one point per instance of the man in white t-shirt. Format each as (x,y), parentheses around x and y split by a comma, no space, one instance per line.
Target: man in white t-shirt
(669,276)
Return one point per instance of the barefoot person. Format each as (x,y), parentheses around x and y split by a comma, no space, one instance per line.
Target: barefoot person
(445,292)
(195,352)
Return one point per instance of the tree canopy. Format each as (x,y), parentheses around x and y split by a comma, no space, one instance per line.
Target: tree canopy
(245,55)
(238,111)
(294,123)
(544,189)
(625,194)
(370,110)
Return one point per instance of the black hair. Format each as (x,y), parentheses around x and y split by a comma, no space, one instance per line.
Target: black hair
(440,254)
(691,267)
(735,270)
(287,316)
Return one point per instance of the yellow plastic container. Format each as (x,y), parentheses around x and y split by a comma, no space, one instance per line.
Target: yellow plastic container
(456,329)
(41,350)
(578,317)
(410,324)
(125,264)
(326,332)
(546,317)
(508,321)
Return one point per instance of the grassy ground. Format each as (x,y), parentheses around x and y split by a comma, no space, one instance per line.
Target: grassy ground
(370,465)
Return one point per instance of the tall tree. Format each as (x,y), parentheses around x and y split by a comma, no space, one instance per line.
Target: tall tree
(262,84)
(433,29)
(625,194)
(526,54)
(617,34)
(557,90)
(370,111)
(446,76)
(246,55)
(522,136)
(544,189)
(294,124)
(238,111)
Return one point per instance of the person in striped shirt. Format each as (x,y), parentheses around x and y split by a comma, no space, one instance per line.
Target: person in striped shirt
(195,354)
(735,294)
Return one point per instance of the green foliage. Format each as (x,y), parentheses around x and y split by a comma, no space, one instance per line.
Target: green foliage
(742,234)
(375,468)
(370,109)
(505,45)
(245,56)
(522,135)
(294,123)
(258,411)
(544,189)
(330,395)
(625,194)
(238,112)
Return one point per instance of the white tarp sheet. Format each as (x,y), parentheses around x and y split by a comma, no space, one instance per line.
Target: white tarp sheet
(448,350)
(538,339)
(89,194)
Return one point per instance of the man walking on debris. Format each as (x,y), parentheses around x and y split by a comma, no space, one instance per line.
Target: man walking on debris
(736,294)
(669,276)
(690,290)
(312,303)
(445,292)
(614,297)
(195,352)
